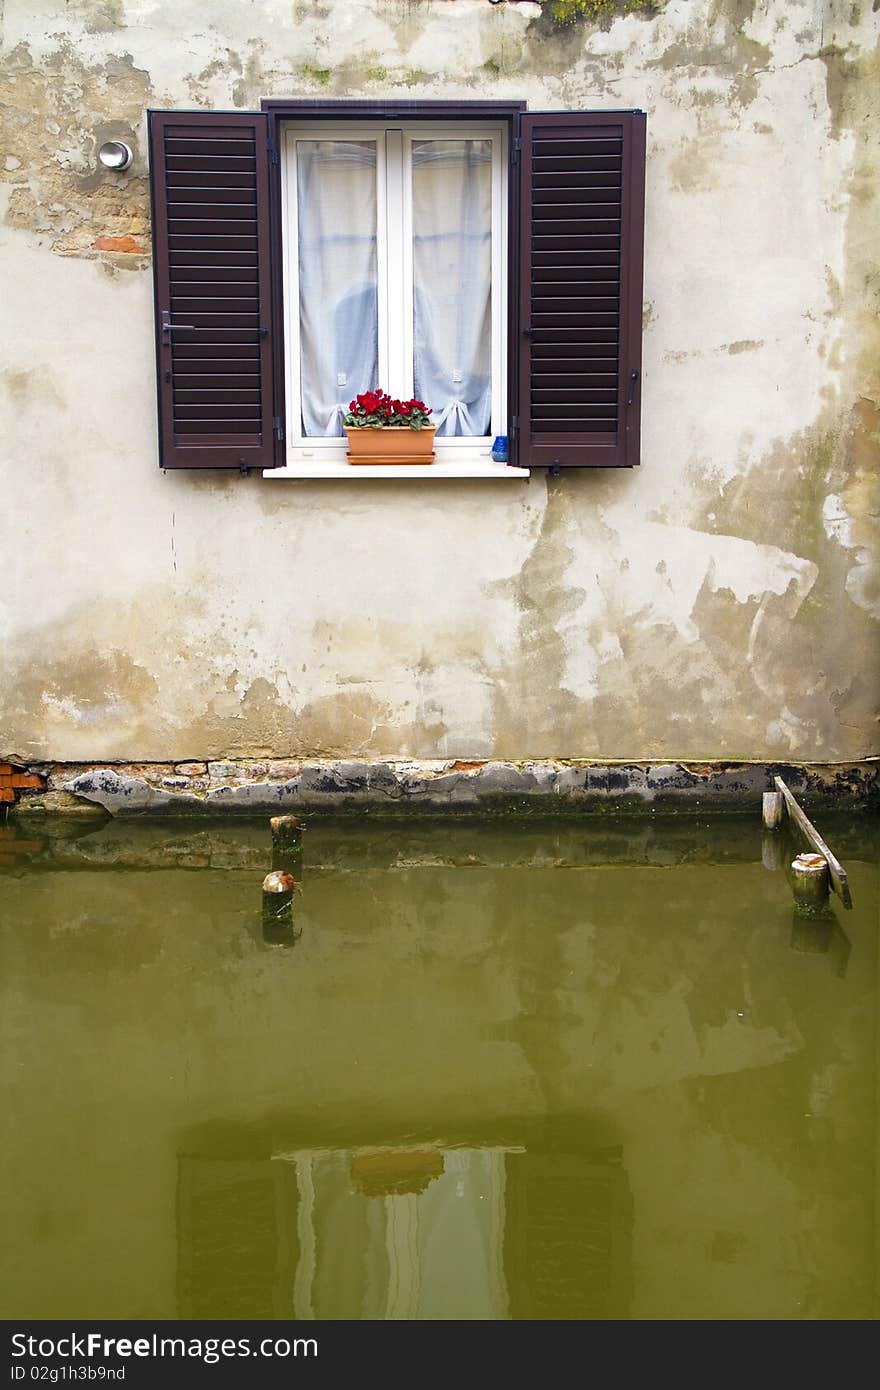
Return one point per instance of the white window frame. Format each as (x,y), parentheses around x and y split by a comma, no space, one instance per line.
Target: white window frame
(462,456)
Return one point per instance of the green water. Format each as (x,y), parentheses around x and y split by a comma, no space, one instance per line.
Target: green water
(598,1072)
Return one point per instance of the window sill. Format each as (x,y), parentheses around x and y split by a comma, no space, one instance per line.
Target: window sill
(426,473)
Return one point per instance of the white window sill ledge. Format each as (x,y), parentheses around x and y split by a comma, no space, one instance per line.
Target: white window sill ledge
(423,472)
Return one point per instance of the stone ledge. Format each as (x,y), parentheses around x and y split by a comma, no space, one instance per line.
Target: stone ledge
(400,789)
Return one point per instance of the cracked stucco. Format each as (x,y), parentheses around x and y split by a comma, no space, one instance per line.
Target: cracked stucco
(721,601)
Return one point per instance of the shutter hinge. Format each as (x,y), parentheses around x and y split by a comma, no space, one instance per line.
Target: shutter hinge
(273,152)
(278,427)
(514,425)
(515,152)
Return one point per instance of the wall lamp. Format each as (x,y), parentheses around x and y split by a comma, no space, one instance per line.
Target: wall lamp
(115,154)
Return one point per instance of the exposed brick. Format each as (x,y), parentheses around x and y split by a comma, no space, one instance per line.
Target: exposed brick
(26,779)
(151,772)
(7,794)
(5,768)
(284,770)
(119,243)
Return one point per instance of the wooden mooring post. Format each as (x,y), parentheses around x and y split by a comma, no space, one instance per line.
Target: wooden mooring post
(279,925)
(812,932)
(771,810)
(772,851)
(807,878)
(286,832)
(278,890)
(287,845)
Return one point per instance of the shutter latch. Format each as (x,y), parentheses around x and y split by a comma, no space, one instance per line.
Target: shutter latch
(633,378)
(168,327)
(279,428)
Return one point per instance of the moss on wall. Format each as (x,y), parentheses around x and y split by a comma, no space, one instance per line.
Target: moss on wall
(596,11)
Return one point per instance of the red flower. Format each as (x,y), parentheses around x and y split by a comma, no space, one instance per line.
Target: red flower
(369,401)
(377,408)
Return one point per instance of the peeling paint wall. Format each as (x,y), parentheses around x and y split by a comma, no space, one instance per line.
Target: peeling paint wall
(719,602)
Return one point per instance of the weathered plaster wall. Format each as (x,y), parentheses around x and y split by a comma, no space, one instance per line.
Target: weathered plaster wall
(721,601)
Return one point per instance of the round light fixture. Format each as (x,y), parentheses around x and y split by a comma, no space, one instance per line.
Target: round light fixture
(115,154)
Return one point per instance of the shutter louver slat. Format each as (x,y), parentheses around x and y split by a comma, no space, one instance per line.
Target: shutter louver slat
(214,179)
(210,163)
(581,200)
(211,238)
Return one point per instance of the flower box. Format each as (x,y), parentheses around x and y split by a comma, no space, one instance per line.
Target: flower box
(390,444)
(381,429)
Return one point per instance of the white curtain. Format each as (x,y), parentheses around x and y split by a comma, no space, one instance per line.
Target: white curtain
(452,282)
(336,211)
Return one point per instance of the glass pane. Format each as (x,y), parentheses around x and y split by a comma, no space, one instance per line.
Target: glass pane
(452,282)
(338,313)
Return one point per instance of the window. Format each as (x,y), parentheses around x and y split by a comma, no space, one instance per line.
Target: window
(483,258)
(394,252)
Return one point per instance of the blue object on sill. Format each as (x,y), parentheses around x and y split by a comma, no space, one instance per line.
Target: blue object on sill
(499,448)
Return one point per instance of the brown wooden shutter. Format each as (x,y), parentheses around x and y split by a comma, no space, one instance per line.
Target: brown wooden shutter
(210,192)
(581,243)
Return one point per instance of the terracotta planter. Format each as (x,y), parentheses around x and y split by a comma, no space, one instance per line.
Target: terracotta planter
(391,444)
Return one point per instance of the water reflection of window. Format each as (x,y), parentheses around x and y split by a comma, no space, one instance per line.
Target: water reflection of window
(237,1238)
(405,1233)
(392,1234)
(567,1239)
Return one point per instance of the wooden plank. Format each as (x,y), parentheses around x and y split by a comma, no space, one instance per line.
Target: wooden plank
(836,870)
